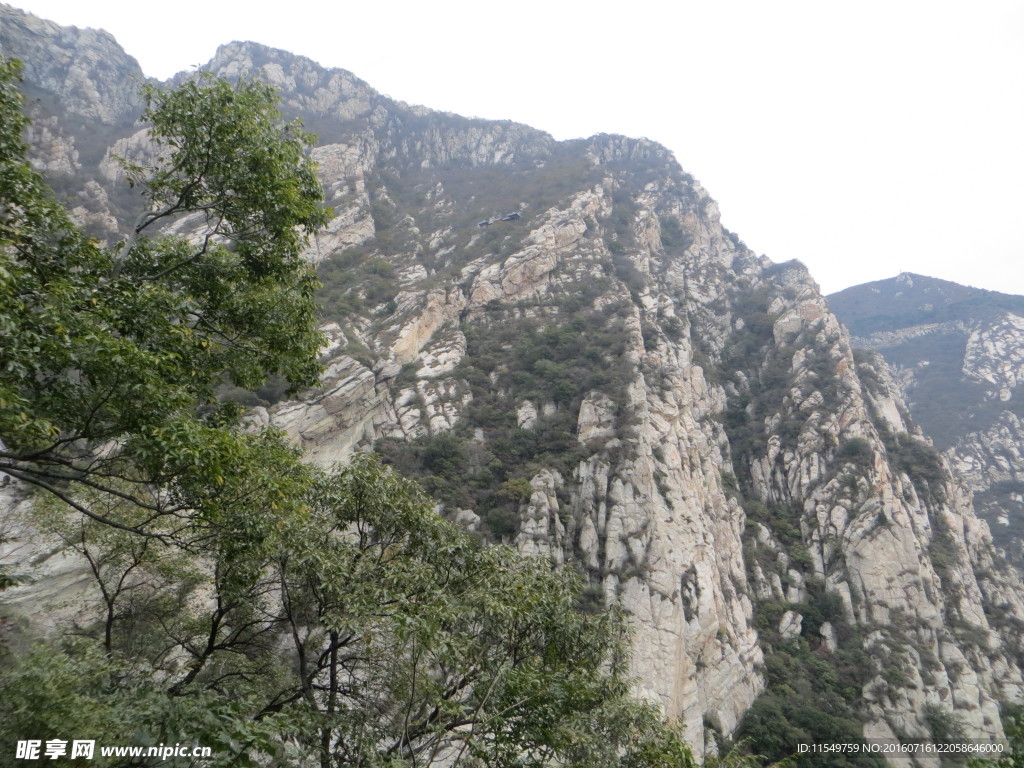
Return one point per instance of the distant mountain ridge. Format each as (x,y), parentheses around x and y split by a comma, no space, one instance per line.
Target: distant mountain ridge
(909,300)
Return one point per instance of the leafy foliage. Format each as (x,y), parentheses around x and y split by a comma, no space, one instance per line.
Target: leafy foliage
(358,628)
(810,699)
(112,356)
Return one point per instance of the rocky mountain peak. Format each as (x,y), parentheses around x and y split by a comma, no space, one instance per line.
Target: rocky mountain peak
(85,69)
(309,86)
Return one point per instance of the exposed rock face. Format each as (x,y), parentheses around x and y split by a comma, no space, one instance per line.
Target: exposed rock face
(350,404)
(995,356)
(60,579)
(54,153)
(612,380)
(959,358)
(990,460)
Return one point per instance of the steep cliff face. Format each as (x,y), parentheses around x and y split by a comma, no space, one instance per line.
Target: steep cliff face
(958,353)
(563,342)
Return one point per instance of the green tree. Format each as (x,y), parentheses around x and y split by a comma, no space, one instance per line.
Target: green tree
(467,653)
(358,629)
(111,355)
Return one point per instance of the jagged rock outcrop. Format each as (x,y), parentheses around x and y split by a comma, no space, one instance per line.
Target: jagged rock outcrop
(612,380)
(958,353)
(992,459)
(995,356)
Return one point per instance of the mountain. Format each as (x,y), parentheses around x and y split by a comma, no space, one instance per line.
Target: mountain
(958,354)
(575,357)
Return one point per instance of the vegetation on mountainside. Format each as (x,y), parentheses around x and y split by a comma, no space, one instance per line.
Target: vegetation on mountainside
(945,401)
(887,305)
(814,693)
(554,366)
(277,613)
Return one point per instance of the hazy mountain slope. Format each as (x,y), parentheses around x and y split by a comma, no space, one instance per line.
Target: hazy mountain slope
(613,380)
(959,357)
(910,300)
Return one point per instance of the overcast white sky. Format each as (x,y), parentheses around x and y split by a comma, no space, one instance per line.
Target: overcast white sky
(863,138)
